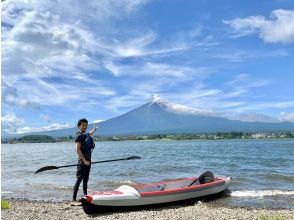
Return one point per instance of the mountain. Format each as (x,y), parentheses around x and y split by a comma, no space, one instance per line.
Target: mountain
(160,116)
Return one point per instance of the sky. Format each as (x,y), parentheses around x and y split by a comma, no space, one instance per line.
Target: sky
(62,60)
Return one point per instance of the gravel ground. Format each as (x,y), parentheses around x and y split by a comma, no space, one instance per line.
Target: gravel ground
(23,209)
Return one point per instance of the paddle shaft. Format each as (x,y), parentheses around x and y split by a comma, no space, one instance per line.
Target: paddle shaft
(72,165)
(103,161)
(193,182)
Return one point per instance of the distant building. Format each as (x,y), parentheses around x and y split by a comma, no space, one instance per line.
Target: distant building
(258,135)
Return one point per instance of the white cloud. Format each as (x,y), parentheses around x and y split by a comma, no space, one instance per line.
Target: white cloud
(97,121)
(279,28)
(242,55)
(244,83)
(40,45)
(198,97)
(45,47)
(252,117)
(119,104)
(178,108)
(10,123)
(183,109)
(157,69)
(53,126)
(135,46)
(287,116)
(277,105)
(12,97)
(138,47)
(259,106)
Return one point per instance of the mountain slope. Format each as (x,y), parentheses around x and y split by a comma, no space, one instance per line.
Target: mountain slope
(159,116)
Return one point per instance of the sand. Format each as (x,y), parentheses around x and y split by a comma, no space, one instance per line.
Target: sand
(24,209)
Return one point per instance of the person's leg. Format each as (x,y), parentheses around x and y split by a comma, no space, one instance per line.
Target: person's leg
(86,179)
(78,181)
(76,188)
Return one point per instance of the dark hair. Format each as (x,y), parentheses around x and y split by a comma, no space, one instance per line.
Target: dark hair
(83,120)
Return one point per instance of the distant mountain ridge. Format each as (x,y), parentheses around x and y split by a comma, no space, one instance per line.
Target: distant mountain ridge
(159,116)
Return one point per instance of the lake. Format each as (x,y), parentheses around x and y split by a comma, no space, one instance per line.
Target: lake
(262,170)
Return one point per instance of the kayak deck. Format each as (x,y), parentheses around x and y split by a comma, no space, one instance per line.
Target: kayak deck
(175,186)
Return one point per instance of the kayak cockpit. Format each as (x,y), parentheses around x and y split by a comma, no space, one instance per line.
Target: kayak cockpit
(166,185)
(206,177)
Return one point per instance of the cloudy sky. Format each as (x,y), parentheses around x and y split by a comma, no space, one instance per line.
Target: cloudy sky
(67,59)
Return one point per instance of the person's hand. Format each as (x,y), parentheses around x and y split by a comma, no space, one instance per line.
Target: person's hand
(87,163)
(93,130)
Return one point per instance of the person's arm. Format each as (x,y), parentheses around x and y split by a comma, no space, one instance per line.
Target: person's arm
(81,156)
(93,130)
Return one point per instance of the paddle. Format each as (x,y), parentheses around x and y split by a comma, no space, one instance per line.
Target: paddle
(72,165)
(193,182)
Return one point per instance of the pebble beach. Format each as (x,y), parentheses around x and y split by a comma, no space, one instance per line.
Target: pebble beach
(24,209)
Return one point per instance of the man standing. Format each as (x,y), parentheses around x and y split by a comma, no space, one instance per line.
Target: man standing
(84,147)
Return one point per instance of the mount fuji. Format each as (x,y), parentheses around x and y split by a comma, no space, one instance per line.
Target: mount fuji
(158,116)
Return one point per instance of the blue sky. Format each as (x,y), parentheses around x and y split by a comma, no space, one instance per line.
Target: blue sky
(63,60)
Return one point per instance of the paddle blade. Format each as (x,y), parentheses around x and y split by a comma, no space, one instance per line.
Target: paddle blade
(133,157)
(46,168)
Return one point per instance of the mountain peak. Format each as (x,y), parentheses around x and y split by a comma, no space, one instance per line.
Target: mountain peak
(156,99)
(177,108)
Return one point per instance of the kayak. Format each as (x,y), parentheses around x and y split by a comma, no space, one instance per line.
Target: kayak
(153,194)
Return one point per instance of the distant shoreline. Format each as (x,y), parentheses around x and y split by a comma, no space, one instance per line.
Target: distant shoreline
(157,137)
(249,139)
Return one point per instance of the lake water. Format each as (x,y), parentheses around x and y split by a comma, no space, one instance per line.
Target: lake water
(262,170)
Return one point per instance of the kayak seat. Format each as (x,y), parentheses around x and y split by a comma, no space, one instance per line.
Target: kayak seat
(206,177)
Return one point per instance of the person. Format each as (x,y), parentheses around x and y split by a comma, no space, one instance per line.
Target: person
(84,147)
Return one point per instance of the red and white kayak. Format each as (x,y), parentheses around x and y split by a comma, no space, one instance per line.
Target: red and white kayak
(127,197)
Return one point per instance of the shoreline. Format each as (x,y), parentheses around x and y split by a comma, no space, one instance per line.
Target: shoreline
(162,139)
(27,209)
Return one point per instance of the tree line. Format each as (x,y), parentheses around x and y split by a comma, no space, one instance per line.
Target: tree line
(195,136)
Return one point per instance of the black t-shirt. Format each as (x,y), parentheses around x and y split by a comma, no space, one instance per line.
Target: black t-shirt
(87,144)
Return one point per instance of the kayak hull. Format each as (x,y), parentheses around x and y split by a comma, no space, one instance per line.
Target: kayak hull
(92,209)
(152,195)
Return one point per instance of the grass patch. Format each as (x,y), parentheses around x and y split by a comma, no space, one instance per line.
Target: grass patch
(5,204)
(270,217)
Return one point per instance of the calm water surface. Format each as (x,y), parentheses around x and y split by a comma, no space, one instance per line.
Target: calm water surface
(262,170)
